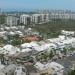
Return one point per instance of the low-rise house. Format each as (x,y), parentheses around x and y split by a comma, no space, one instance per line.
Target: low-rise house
(1,66)
(2,73)
(25,45)
(7,28)
(19,33)
(62,41)
(26,50)
(71,33)
(1,29)
(10,50)
(57,68)
(20,70)
(67,63)
(2,33)
(8,70)
(49,68)
(11,33)
(13,28)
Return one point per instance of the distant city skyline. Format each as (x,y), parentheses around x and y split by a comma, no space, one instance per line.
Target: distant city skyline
(37,4)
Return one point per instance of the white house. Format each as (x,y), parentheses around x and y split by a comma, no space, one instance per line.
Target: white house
(8,70)
(1,66)
(67,32)
(20,70)
(9,49)
(57,68)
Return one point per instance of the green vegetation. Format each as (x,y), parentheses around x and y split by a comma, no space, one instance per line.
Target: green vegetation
(16,40)
(67,49)
(52,28)
(2,19)
(45,55)
(2,41)
(72,72)
(13,40)
(26,58)
(42,56)
(51,54)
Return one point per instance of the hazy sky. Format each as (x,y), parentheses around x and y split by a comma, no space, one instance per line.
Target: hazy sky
(37,4)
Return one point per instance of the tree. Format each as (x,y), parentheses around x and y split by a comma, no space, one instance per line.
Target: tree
(65,50)
(2,41)
(16,42)
(2,19)
(51,54)
(16,36)
(72,49)
(43,56)
(72,72)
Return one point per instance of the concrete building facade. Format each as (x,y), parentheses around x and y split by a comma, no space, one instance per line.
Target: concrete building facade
(62,14)
(36,18)
(11,20)
(25,19)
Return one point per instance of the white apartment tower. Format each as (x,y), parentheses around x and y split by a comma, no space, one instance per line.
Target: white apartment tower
(36,18)
(11,20)
(25,19)
(45,17)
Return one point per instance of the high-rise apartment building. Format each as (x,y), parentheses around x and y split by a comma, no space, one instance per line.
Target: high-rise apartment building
(11,20)
(25,19)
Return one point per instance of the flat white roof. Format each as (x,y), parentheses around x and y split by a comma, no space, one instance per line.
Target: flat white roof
(25,15)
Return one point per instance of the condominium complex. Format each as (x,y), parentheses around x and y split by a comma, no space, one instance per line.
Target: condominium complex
(11,20)
(62,14)
(25,19)
(59,14)
(35,18)
(45,17)
(39,17)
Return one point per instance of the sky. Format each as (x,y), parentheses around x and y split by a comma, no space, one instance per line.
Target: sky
(37,4)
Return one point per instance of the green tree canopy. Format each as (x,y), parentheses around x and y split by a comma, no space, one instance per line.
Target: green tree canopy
(2,19)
